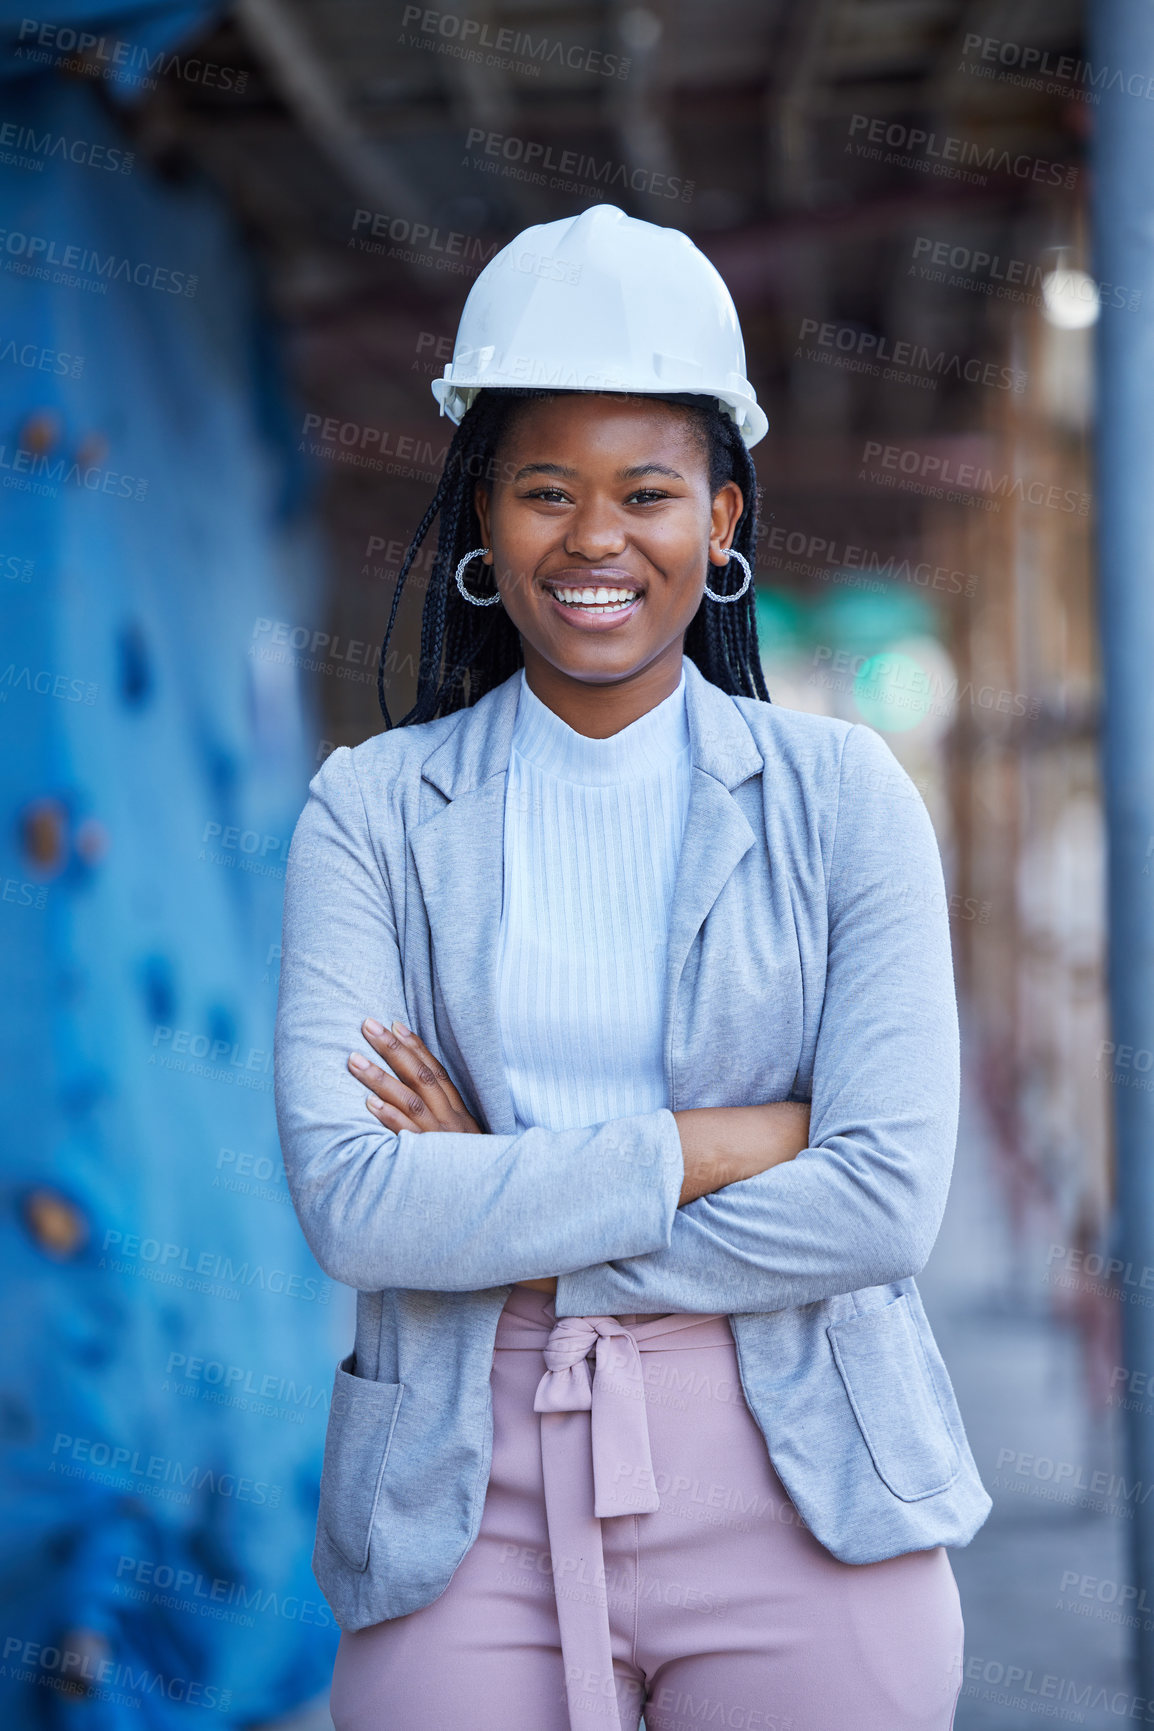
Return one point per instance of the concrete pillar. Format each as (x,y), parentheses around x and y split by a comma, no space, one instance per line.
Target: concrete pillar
(1120,56)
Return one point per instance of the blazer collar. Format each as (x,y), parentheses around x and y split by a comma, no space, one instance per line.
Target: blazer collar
(720,743)
(459,857)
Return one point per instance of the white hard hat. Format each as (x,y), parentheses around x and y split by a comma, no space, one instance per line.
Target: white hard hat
(601,302)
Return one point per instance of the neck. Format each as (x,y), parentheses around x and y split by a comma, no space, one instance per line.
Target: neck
(601,708)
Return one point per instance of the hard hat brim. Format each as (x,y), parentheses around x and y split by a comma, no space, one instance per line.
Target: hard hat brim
(456,396)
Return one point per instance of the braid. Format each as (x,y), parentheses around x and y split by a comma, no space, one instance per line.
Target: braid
(466,651)
(721,639)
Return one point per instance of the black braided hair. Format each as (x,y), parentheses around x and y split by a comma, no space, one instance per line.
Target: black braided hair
(466,651)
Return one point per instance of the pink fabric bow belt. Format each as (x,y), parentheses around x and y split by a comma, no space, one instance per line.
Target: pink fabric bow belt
(602,1415)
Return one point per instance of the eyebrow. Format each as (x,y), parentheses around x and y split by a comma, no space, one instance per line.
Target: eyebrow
(640,469)
(632,474)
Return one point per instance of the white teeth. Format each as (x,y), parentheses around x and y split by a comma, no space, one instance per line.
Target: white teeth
(602,596)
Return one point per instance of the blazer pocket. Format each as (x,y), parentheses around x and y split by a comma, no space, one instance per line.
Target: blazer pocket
(357,1440)
(883,1367)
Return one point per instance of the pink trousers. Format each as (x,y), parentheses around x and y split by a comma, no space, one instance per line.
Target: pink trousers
(638,1554)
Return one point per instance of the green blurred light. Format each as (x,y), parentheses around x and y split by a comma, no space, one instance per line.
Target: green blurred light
(782,625)
(892,692)
(867,623)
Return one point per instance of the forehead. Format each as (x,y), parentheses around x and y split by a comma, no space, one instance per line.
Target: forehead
(586,423)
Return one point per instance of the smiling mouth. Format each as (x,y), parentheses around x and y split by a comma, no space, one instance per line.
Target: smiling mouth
(597,598)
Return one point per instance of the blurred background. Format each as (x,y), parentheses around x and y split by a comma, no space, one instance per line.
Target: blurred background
(234,244)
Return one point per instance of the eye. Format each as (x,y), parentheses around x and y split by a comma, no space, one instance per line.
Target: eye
(644,495)
(551,495)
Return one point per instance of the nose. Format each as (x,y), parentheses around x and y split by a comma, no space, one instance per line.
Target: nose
(595,531)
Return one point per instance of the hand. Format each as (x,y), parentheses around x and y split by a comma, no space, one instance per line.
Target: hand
(419,1096)
(422,1099)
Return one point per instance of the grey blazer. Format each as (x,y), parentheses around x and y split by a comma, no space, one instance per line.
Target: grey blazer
(808,958)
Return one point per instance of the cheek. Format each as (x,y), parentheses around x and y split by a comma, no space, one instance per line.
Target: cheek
(522,536)
(677,545)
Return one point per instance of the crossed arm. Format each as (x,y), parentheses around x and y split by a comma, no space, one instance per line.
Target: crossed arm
(720,1145)
(654,1212)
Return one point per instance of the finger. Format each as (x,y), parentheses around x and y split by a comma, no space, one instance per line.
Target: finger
(412,1061)
(389,1116)
(409,1038)
(393,1091)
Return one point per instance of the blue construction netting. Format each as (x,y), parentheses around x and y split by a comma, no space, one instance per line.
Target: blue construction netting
(165,1368)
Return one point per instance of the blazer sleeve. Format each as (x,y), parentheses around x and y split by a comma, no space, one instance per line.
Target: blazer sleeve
(434,1210)
(862,1205)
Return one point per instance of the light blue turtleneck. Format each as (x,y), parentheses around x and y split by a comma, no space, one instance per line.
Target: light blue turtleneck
(593,831)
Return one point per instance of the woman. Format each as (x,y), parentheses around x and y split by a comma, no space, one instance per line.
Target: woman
(643,1413)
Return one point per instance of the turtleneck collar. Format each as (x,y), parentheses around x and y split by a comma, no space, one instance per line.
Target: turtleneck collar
(646,747)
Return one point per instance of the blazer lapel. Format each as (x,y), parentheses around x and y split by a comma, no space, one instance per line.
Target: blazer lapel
(458,854)
(717,832)
(459,859)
